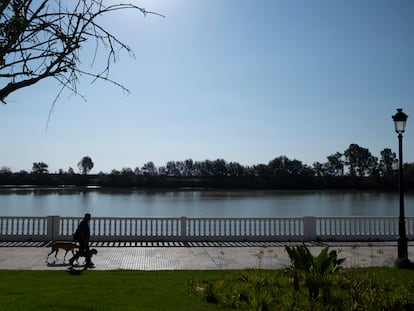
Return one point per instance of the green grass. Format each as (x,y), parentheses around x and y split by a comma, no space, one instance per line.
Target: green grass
(101,290)
(354,289)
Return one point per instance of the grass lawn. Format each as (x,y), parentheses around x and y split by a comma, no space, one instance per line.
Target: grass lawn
(358,289)
(101,290)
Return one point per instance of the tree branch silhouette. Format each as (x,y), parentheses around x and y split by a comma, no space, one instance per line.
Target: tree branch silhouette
(42,39)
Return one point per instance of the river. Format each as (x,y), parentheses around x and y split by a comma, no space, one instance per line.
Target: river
(199,203)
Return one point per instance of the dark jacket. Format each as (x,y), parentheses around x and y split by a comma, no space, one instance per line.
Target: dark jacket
(84,232)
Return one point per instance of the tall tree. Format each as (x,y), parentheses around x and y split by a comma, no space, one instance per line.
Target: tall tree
(85,165)
(283,166)
(220,167)
(42,39)
(172,168)
(335,164)
(149,169)
(188,169)
(278,166)
(39,168)
(387,162)
(236,169)
(360,161)
(319,169)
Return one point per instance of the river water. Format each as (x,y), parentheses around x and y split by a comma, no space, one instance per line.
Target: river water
(199,203)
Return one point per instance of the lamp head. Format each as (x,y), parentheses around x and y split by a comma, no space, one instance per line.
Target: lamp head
(400,119)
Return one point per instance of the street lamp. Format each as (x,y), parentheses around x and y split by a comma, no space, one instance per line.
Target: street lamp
(400,119)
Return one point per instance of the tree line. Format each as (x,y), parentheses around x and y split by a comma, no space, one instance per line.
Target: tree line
(355,168)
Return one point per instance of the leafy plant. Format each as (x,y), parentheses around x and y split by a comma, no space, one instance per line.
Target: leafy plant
(317,270)
(248,290)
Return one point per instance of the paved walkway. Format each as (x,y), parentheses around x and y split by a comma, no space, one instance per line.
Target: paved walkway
(195,256)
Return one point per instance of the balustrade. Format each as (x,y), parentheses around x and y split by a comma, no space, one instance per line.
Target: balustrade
(185,229)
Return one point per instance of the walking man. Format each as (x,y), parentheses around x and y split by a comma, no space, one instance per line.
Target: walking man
(83,236)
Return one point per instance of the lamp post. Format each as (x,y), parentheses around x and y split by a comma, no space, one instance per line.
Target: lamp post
(400,119)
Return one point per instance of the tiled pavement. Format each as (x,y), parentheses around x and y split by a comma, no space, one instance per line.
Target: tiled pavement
(193,256)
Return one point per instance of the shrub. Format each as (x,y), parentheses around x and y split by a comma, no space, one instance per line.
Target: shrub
(317,270)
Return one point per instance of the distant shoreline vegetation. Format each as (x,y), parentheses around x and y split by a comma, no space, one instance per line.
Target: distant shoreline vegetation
(111,180)
(355,168)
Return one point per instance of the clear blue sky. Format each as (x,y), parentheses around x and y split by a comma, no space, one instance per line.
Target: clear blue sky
(246,81)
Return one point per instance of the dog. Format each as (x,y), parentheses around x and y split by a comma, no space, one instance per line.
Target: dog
(67,246)
(92,251)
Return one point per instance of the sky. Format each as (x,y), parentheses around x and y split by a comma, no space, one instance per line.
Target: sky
(240,80)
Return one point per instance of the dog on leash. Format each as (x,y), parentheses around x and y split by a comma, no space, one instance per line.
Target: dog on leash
(67,246)
(92,251)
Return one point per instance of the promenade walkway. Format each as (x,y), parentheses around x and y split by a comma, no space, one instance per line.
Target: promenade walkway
(193,256)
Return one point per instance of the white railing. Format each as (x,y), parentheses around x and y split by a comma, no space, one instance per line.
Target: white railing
(183,229)
(25,229)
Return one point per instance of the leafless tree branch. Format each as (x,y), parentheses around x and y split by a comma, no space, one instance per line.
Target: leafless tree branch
(42,39)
